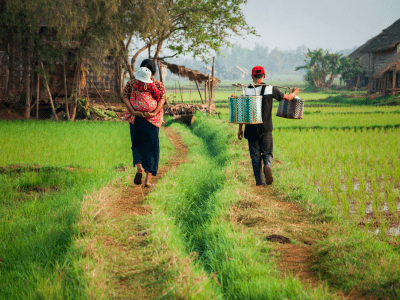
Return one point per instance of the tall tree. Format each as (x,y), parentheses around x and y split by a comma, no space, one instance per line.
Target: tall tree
(322,67)
(351,69)
(196,27)
(50,29)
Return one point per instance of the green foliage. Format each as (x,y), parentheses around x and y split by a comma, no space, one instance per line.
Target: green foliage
(40,200)
(197,199)
(319,65)
(194,27)
(350,68)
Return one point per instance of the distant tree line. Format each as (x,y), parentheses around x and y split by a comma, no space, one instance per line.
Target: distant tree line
(276,62)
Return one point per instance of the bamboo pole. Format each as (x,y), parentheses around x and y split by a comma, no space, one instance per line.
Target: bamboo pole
(205,92)
(66,90)
(198,89)
(180,89)
(75,82)
(37,95)
(209,93)
(48,91)
(212,81)
(28,88)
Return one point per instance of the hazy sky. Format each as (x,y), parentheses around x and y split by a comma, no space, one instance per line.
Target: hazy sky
(327,24)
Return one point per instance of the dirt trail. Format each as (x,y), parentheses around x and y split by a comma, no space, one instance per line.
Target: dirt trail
(128,265)
(265,212)
(131,200)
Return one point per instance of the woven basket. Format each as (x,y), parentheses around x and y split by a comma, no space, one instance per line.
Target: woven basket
(245,109)
(291,109)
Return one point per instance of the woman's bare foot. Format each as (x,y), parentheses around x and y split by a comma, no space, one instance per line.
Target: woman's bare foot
(148,180)
(139,168)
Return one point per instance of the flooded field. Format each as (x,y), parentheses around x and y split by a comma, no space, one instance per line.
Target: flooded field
(354,163)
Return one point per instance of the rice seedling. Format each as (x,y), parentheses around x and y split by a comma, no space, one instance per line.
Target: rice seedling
(361,164)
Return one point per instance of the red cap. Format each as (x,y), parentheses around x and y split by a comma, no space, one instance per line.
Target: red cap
(257,70)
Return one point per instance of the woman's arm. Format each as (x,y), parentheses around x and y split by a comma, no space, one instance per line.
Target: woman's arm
(130,108)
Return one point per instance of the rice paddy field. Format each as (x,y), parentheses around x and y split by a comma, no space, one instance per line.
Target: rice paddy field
(350,154)
(341,163)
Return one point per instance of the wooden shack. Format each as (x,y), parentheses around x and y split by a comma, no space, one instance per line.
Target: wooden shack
(209,80)
(19,78)
(381,57)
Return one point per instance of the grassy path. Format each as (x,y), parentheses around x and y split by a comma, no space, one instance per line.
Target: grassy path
(122,259)
(266,211)
(201,233)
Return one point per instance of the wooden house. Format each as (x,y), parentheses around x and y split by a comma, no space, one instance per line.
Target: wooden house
(19,80)
(381,57)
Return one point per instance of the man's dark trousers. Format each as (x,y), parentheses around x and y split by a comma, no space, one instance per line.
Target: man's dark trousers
(261,149)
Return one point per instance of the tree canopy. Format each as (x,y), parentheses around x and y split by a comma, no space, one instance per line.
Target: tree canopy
(196,27)
(323,67)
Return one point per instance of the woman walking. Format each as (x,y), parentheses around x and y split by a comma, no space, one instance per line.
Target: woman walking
(145,116)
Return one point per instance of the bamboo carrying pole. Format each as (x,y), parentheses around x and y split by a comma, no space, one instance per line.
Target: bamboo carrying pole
(282,87)
(48,91)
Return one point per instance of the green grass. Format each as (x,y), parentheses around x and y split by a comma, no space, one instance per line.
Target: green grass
(40,201)
(197,199)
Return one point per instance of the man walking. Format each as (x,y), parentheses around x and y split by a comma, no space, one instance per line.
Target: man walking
(259,136)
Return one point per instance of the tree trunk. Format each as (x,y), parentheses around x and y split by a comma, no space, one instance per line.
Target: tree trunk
(357,83)
(133,61)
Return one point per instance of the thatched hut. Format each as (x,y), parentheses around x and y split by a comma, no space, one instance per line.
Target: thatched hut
(209,81)
(381,57)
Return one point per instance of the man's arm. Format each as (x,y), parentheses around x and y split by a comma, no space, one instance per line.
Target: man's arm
(240,132)
(292,95)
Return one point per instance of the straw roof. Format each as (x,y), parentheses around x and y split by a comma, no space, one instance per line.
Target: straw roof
(390,63)
(386,40)
(193,75)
